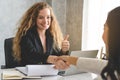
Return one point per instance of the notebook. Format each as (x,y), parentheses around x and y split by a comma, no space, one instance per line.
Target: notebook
(12,74)
(73,69)
(38,70)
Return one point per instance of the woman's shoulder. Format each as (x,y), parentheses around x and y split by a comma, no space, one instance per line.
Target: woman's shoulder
(31,33)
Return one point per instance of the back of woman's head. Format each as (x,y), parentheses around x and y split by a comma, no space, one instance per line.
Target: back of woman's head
(113,22)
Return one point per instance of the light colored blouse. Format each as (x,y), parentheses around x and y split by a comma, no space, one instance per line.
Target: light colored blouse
(93,65)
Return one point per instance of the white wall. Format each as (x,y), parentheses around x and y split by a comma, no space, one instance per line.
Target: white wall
(94,16)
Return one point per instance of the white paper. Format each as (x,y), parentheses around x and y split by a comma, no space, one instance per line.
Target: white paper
(39,70)
(22,70)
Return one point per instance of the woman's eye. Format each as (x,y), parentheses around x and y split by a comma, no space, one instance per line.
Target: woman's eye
(49,17)
(40,17)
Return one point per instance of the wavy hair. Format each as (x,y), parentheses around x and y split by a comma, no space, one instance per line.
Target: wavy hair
(29,20)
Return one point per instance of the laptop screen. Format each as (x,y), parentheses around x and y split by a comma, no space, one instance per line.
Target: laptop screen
(86,53)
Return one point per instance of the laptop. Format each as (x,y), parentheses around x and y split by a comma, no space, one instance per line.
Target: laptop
(85,53)
(73,69)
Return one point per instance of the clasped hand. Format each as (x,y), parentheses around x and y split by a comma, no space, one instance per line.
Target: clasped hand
(60,62)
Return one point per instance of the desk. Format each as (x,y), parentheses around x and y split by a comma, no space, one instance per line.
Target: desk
(82,76)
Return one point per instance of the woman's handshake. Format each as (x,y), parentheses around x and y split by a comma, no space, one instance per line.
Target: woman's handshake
(62,62)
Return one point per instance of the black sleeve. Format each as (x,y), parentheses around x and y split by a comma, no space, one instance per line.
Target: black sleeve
(58,52)
(29,52)
(67,53)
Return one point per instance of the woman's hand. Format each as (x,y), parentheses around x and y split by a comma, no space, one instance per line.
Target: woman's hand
(70,59)
(61,65)
(65,44)
(66,58)
(58,62)
(52,59)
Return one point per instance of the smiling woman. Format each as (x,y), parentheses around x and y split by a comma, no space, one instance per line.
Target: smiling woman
(39,38)
(69,17)
(9,19)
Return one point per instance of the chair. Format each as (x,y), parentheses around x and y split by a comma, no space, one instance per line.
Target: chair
(10,62)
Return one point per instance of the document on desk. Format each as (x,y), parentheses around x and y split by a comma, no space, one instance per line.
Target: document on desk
(12,74)
(38,70)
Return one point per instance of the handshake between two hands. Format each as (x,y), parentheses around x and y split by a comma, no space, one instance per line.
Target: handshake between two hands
(62,62)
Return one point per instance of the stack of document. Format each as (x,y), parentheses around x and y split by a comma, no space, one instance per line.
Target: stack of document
(38,70)
(29,71)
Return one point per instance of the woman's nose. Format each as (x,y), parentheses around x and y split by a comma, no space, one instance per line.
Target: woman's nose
(45,20)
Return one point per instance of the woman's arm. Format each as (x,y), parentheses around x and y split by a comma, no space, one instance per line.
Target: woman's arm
(86,64)
(91,64)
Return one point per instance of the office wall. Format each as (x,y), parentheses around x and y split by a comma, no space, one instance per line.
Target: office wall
(74,13)
(68,13)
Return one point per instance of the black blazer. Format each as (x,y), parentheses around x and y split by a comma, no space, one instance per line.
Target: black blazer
(32,49)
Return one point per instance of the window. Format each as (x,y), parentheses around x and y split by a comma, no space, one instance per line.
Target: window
(94,16)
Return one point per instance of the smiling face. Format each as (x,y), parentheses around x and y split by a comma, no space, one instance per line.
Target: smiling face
(43,19)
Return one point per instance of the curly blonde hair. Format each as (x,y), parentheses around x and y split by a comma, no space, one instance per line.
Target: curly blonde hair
(29,20)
